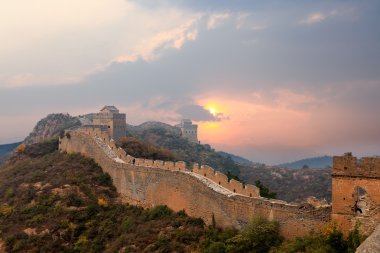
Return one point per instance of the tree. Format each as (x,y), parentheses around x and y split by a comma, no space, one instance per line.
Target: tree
(264,191)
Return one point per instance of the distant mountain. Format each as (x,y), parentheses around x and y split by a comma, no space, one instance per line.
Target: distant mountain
(236,158)
(314,163)
(6,149)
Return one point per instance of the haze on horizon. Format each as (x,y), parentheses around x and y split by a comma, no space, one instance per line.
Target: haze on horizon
(272,81)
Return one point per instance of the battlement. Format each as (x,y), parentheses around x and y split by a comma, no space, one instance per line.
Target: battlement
(349,166)
(222,180)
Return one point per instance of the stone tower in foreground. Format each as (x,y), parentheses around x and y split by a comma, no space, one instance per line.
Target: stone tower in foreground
(110,117)
(356,192)
(188,130)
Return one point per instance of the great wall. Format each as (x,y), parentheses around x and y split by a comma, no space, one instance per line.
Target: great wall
(200,192)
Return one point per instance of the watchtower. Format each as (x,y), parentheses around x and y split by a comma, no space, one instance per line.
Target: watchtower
(188,130)
(109,116)
(356,192)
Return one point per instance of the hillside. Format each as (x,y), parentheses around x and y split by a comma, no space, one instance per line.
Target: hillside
(290,184)
(168,137)
(237,159)
(54,202)
(313,163)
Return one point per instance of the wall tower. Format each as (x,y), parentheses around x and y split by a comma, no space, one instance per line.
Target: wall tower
(110,117)
(188,130)
(356,192)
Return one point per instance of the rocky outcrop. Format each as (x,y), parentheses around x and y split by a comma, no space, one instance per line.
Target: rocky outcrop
(51,126)
(371,244)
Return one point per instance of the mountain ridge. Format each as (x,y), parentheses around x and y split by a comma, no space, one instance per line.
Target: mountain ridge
(318,162)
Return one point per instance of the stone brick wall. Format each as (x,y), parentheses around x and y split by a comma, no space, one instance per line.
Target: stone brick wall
(201,192)
(349,175)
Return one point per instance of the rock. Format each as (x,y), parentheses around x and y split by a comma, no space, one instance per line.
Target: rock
(30,231)
(317,203)
(51,126)
(371,244)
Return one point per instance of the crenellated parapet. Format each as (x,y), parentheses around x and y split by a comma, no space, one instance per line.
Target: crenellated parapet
(349,166)
(222,180)
(203,170)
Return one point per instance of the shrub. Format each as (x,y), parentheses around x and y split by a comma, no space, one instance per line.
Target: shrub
(158,212)
(74,200)
(9,193)
(258,236)
(104,179)
(216,247)
(5,210)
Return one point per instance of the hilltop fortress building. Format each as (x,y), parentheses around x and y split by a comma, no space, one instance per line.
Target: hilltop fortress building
(114,121)
(188,130)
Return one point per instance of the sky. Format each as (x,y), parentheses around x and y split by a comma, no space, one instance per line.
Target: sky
(273,81)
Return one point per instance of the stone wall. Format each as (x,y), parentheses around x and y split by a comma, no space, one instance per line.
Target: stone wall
(350,177)
(201,193)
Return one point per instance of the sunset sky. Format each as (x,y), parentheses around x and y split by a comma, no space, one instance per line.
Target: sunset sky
(272,81)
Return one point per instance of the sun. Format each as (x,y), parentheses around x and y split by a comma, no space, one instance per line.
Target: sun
(212,111)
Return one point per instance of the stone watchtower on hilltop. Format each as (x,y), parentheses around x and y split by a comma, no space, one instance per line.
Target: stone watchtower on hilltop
(356,192)
(115,122)
(188,130)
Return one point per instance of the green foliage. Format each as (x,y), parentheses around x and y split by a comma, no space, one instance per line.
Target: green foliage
(104,179)
(159,212)
(74,200)
(258,236)
(331,242)
(9,193)
(232,176)
(137,148)
(264,191)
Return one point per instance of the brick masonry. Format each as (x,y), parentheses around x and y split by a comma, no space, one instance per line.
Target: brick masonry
(201,192)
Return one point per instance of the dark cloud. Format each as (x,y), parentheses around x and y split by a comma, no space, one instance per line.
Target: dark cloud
(199,113)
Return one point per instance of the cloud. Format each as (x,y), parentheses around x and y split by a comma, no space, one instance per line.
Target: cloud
(149,49)
(217,19)
(53,44)
(317,17)
(199,113)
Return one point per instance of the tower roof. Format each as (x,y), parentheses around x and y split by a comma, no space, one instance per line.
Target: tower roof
(110,108)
